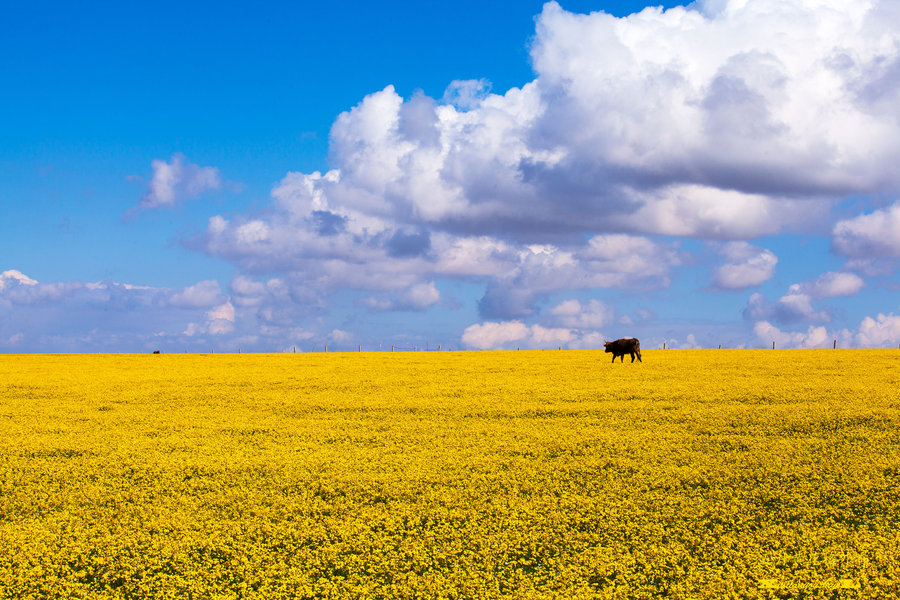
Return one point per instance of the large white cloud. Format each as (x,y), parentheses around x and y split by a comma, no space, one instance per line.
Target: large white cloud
(726,120)
(780,99)
(662,122)
(321,249)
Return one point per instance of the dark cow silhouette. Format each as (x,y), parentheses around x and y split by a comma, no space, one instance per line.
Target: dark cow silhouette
(624,346)
(156,352)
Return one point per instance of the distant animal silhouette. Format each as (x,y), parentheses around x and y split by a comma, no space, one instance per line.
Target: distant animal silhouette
(156,352)
(621,347)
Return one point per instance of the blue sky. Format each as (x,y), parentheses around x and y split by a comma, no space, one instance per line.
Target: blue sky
(477,175)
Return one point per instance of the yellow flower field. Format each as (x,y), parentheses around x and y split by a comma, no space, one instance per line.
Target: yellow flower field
(546,474)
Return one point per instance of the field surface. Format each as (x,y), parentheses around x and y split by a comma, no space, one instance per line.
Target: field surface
(695,474)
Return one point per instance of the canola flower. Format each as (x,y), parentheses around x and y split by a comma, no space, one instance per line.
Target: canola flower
(695,474)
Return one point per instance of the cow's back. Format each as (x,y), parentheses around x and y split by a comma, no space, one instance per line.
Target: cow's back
(627,344)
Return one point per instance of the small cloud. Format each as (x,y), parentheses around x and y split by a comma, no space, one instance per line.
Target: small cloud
(882,331)
(833,284)
(871,236)
(417,298)
(484,336)
(746,266)
(341,336)
(14,276)
(221,319)
(795,306)
(512,334)
(422,296)
(544,336)
(575,315)
(224,312)
(689,342)
(177,180)
(644,315)
(814,337)
(200,295)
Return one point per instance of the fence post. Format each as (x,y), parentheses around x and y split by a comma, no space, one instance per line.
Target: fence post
(835,344)
(773,345)
(326,347)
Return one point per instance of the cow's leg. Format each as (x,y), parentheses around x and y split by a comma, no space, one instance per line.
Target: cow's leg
(622,357)
(614,358)
(638,352)
(632,357)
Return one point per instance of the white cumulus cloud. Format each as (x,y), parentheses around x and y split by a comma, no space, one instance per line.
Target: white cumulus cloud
(220,320)
(573,314)
(178,180)
(508,335)
(724,120)
(814,337)
(417,298)
(797,304)
(832,284)
(745,266)
(200,295)
(17,277)
(490,335)
(870,236)
(879,332)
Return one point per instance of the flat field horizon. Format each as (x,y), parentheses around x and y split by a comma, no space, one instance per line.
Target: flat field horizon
(467,474)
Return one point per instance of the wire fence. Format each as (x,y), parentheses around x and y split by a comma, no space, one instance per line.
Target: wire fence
(417,348)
